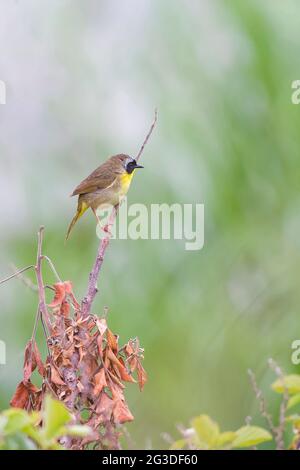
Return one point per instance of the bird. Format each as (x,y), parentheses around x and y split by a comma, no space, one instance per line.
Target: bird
(106,186)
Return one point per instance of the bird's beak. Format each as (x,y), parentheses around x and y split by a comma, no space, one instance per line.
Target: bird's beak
(138,166)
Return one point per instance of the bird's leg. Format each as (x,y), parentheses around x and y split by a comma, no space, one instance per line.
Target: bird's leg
(99,221)
(110,223)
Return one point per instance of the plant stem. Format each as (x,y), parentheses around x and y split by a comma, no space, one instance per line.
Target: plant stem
(94,274)
(147,136)
(41,289)
(52,267)
(16,274)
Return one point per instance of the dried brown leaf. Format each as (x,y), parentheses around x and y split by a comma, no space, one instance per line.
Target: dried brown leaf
(121,412)
(55,376)
(112,341)
(117,390)
(104,406)
(125,375)
(39,362)
(63,291)
(59,296)
(65,308)
(80,386)
(101,325)
(69,291)
(29,362)
(121,368)
(22,394)
(142,375)
(100,382)
(89,365)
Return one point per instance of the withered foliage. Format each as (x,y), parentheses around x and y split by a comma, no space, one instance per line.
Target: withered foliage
(86,369)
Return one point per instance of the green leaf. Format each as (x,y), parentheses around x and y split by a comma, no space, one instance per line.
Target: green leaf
(291,383)
(55,416)
(294,400)
(294,419)
(177,445)
(36,435)
(79,430)
(17,441)
(225,438)
(16,420)
(3,421)
(207,431)
(56,446)
(248,436)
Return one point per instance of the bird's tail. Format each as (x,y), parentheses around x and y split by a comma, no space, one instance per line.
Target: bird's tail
(82,207)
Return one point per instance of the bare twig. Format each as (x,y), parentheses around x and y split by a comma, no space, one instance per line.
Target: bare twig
(93,278)
(42,307)
(283,406)
(46,333)
(52,267)
(262,402)
(16,274)
(94,274)
(26,281)
(148,135)
(36,321)
(38,269)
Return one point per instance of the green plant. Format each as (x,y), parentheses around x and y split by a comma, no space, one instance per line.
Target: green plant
(289,385)
(205,434)
(47,429)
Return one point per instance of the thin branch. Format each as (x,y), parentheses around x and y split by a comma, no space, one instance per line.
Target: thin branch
(38,269)
(148,135)
(262,402)
(36,320)
(94,274)
(283,406)
(33,335)
(52,267)
(46,334)
(16,274)
(26,281)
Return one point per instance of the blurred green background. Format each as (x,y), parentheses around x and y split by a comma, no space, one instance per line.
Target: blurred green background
(82,81)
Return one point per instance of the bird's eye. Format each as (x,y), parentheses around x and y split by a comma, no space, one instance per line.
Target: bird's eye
(130,167)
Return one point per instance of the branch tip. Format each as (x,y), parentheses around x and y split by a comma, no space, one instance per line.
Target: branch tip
(148,135)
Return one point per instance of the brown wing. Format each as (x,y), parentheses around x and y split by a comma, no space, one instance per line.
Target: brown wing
(101,178)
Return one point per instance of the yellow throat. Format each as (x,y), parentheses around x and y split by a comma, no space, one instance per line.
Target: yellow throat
(125,182)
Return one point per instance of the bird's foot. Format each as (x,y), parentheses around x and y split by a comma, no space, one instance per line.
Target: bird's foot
(106,229)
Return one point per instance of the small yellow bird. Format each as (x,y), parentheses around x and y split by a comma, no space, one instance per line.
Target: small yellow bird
(107,185)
